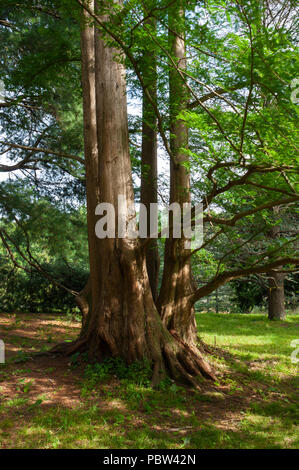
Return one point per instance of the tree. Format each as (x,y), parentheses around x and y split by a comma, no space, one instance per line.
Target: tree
(149,170)
(226,150)
(39,271)
(123,320)
(176,310)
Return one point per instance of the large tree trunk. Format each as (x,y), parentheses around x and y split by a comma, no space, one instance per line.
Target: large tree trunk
(123,320)
(149,173)
(174,304)
(91,156)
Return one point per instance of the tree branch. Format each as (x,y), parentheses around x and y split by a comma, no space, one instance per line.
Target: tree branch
(17,166)
(213,94)
(227,276)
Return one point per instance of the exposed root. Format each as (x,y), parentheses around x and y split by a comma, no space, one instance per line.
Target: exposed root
(192,360)
(83,300)
(67,349)
(177,371)
(182,362)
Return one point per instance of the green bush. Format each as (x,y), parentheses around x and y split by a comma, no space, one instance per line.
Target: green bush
(138,372)
(23,292)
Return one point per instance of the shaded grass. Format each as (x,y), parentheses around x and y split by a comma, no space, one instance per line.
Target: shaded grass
(252,405)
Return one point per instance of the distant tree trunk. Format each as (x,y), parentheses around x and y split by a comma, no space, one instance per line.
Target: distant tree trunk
(276,297)
(149,172)
(174,304)
(123,320)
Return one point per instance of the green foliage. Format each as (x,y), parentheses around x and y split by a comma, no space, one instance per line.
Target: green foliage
(248,293)
(21,357)
(251,292)
(52,237)
(257,375)
(34,293)
(138,373)
(242,48)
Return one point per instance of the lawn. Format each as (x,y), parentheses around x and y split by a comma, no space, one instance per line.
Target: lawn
(46,402)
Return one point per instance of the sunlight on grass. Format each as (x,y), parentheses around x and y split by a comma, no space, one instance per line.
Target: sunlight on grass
(252,338)
(117,408)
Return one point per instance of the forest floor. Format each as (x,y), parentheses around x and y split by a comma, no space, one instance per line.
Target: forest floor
(50,402)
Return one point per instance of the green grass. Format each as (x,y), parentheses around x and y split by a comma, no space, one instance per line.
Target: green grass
(253,339)
(252,405)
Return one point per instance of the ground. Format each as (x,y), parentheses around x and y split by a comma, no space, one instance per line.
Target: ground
(48,402)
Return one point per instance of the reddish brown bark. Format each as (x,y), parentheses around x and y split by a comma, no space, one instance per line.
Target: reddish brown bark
(174,303)
(149,172)
(83,301)
(91,156)
(123,320)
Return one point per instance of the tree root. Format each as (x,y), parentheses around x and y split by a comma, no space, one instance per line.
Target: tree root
(83,300)
(187,362)
(177,371)
(67,349)
(177,359)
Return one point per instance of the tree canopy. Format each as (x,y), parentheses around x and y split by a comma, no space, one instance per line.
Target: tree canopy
(215,80)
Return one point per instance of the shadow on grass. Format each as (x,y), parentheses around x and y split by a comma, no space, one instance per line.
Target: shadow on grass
(270,426)
(64,408)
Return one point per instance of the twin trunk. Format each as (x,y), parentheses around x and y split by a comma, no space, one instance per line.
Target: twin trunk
(122,320)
